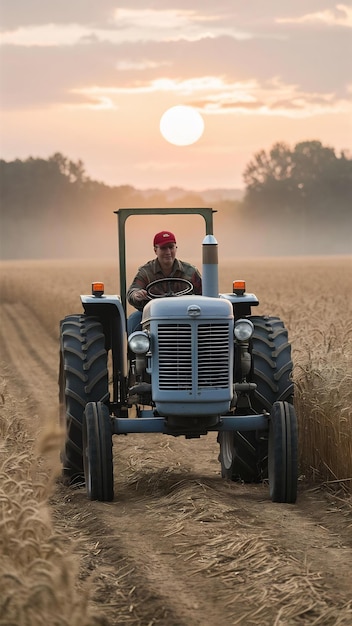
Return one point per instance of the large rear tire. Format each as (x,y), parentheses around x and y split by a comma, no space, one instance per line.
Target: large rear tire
(271,370)
(238,456)
(283,453)
(227,453)
(83,378)
(97,452)
(271,363)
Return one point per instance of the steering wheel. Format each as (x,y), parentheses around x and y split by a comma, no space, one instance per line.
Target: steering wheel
(169,292)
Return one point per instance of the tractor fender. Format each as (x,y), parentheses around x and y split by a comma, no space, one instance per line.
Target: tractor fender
(95,305)
(105,299)
(109,309)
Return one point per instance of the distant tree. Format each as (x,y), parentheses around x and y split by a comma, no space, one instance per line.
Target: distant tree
(31,186)
(310,178)
(74,172)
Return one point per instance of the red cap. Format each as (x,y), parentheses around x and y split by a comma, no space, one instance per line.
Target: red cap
(163,238)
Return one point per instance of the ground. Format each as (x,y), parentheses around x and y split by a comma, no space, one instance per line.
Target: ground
(179,546)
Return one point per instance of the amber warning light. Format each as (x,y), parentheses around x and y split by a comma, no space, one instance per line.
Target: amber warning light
(239,287)
(97,289)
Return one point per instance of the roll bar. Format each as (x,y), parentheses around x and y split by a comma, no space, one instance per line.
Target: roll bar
(124,214)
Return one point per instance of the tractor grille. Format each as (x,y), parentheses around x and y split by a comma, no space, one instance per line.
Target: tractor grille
(213,355)
(175,356)
(193,355)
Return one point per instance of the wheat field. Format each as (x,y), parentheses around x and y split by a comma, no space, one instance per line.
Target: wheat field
(39,579)
(312,295)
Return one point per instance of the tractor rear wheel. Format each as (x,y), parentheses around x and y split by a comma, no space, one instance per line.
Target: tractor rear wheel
(227,453)
(239,456)
(97,452)
(271,363)
(283,453)
(272,372)
(83,378)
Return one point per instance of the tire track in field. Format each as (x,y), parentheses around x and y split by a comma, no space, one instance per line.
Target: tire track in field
(31,334)
(28,350)
(160,584)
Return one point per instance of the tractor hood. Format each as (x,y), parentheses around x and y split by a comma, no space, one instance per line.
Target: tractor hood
(187,307)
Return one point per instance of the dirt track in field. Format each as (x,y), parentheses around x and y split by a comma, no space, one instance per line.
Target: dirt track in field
(179,546)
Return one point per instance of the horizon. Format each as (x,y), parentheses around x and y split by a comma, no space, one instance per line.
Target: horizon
(93,82)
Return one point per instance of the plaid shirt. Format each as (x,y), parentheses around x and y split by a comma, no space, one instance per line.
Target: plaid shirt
(152,271)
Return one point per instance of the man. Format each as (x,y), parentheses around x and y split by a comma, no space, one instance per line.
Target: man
(166,265)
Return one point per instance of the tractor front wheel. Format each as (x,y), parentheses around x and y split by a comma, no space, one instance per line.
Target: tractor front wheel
(282,453)
(97,452)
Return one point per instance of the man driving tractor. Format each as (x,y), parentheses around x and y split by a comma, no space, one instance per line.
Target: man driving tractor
(163,267)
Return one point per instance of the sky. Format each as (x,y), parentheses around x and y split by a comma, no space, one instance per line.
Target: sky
(92,78)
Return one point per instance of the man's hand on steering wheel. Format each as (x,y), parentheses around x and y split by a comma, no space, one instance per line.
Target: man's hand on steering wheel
(140,295)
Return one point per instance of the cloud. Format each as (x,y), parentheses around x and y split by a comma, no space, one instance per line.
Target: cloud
(167,24)
(48,35)
(15,13)
(218,97)
(129,65)
(341,16)
(86,58)
(128,25)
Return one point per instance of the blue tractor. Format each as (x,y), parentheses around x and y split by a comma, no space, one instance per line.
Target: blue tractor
(200,363)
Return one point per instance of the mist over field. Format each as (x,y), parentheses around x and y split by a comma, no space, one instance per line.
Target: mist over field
(96,237)
(295,202)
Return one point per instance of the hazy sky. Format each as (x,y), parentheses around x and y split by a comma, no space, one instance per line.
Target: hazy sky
(92,78)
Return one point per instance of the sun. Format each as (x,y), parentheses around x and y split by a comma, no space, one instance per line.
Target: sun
(181,125)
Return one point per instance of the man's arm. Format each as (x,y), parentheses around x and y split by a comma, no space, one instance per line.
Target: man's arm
(136,294)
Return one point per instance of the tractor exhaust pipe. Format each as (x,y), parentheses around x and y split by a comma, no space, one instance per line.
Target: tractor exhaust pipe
(210,274)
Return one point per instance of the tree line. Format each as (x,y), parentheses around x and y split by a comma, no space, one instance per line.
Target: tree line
(302,193)
(310,178)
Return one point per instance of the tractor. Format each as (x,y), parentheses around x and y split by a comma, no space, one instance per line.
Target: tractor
(200,363)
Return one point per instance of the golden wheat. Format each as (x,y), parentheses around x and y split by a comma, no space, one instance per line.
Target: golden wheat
(38,579)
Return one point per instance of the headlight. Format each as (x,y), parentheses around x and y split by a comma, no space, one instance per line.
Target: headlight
(139,342)
(243,329)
